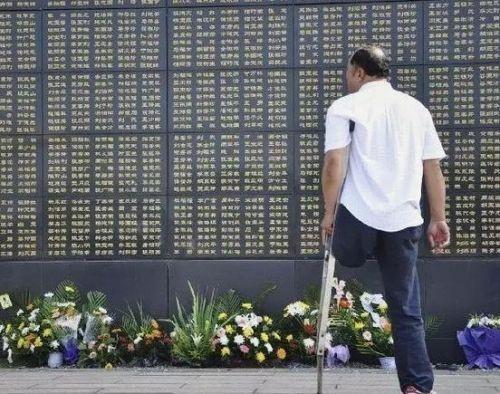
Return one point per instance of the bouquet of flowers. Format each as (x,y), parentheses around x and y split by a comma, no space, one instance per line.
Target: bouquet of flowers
(372,328)
(300,325)
(29,335)
(360,319)
(248,337)
(480,341)
(489,321)
(99,345)
(39,328)
(142,340)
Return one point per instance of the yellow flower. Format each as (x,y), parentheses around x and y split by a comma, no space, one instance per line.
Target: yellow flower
(247,305)
(229,328)
(69,289)
(383,306)
(289,337)
(267,320)
(358,325)
(264,337)
(8,328)
(260,357)
(364,314)
(108,366)
(225,351)
(38,342)
(20,343)
(21,326)
(281,353)
(248,331)
(222,316)
(155,324)
(276,335)
(47,332)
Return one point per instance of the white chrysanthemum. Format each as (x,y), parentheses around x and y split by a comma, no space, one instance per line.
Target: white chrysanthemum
(111,348)
(239,339)
(32,348)
(54,344)
(20,312)
(367,335)
(25,331)
(9,356)
(224,340)
(268,347)
(391,340)
(48,295)
(308,343)
(5,343)
(254,341)
(107,320)
(102,310)
(137,340)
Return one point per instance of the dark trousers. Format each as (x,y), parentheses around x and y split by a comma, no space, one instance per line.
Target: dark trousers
(396,252)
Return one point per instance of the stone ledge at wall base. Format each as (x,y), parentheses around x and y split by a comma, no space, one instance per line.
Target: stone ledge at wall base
(481,346)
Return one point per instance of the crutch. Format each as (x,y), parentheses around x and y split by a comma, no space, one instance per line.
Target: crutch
(327,283)
(324,305)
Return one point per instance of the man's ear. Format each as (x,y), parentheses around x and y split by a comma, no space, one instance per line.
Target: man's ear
(360,72)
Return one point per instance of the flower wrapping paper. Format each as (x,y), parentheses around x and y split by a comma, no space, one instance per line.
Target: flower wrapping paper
(336,355)
(481,346)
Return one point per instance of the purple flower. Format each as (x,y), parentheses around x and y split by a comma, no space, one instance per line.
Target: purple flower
(70,351)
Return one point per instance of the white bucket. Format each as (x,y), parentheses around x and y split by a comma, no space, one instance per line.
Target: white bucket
(387,362)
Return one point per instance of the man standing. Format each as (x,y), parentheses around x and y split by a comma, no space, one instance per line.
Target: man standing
(393,145)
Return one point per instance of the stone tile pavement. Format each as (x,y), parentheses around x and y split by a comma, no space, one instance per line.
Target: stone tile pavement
(233,381)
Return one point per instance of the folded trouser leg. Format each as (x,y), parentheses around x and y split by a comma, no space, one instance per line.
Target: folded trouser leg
(397,255)
(352,241)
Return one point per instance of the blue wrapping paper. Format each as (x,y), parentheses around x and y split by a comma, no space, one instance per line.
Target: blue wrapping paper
(481,346)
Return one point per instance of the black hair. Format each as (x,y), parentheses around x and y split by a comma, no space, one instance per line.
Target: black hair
(372,59)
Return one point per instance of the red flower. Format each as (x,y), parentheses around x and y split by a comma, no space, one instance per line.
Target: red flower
(310,329)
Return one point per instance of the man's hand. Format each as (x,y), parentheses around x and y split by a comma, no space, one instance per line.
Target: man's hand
(326,226)
(438,235)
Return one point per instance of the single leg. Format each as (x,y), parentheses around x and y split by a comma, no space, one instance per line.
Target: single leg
(397,254)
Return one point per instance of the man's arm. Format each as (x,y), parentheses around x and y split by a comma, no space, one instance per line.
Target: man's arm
(332,176)
(438,233)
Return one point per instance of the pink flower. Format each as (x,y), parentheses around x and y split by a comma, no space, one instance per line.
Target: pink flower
(244,348)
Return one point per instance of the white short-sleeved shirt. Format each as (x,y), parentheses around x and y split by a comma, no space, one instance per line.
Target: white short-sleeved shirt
(393,134)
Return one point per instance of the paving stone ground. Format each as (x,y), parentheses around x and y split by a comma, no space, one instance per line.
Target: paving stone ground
(233,381)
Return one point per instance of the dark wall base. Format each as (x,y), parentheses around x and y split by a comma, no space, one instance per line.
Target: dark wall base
(450,289)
